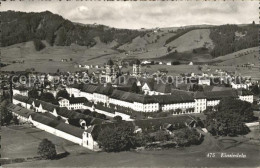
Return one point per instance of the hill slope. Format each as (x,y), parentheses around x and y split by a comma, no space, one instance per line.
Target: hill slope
(20,27)
(94,44)
(192,40)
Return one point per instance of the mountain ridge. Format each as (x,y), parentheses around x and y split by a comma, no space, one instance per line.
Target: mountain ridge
(214,41)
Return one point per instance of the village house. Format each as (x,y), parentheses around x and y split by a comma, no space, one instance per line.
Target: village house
(152,88)
(72,103)
(169,63)
(21,91)
(24,101)
(21,113)
(240,85)
(45,107)
(245,95)
(145,62)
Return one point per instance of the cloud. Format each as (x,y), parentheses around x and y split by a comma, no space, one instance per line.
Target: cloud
(146,14)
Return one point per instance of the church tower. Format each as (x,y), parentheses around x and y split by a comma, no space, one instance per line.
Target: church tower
(137,68)
(110,71)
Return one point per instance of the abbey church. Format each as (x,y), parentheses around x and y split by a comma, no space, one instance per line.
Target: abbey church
(111,71)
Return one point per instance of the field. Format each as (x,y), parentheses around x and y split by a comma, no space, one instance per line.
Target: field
(23,141)
(153,45)
(40,60)
(50,58)
(191,40)
(249,55)
(194,156)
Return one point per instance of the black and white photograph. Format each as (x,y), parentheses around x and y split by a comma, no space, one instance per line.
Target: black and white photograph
(87,83)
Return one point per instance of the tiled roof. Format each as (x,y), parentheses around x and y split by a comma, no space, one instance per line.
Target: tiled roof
(76,86)
(132,97)
(129,80)
(103,108)
(89,121)
(89,88)
(117,94)
(177,97)
(96,121)
(21,98)
(162,88)
(157,122)
(37,102)
(244,92)
(107,90)
(21,88)
(147,123)
(220,94)
(171,99)
(150,84)
(183,86)
(215,88)
(75,131)
(200,95)
(89,104)
(19,110)
(64,112)
(74,100)
(48,106)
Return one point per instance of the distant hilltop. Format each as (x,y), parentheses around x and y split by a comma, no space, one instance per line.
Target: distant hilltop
(179,43)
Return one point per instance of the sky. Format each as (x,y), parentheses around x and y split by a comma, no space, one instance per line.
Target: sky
(136,15)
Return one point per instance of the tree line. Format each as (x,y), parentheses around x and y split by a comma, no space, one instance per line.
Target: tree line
(18,27)
(226,39)
(228,117)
